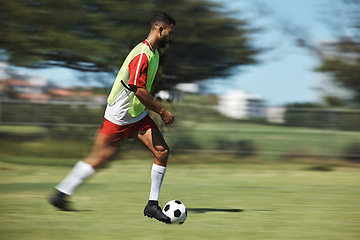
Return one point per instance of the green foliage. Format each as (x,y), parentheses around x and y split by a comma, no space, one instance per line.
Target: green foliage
(68,131)
(184,142)
(345,72)
(318,116)
(50,114)
(334,101)
(352,152)
(241,148)
(97,35)
(341,58)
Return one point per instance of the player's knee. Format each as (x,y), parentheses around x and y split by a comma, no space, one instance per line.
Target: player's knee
(163,154)
(167,152)
(102,160)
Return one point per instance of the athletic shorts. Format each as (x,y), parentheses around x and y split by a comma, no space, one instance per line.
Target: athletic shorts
(117,133)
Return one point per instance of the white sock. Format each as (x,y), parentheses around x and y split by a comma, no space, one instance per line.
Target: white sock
(78,174)
(157,176)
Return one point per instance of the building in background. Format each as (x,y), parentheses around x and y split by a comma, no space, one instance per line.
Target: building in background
(24,89)
(19,86)
(275,115)
(238,104)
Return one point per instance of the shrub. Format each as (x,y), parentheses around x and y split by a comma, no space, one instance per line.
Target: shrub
(352,152)
(243,148)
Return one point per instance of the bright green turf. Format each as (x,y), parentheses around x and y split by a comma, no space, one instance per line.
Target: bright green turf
(225,201)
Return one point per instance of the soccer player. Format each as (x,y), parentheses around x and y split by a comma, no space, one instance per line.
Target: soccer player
(125,118)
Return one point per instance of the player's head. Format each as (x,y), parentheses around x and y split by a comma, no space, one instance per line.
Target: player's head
(162,17)
(163,25)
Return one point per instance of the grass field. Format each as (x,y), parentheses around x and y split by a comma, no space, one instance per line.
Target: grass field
(225,201)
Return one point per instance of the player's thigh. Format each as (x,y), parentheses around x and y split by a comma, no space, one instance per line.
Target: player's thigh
(153,140)
(102,150)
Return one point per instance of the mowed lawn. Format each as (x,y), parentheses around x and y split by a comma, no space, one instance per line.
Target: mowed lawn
(224,201)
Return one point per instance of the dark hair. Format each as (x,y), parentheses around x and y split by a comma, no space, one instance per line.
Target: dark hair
(162,17)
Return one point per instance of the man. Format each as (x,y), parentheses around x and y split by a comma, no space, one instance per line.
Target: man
(125,118)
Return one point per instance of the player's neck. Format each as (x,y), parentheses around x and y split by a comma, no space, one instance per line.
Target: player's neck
(153,42)
(150,45)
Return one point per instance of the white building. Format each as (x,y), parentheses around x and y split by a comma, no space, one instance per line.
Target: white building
(241,105)
(188,87)
(275,115)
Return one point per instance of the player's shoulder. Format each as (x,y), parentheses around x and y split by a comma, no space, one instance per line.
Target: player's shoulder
(141,59)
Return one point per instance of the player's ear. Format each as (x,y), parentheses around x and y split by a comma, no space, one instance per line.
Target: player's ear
(161,29)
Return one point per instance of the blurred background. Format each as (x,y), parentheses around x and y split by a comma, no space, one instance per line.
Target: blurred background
(246,80)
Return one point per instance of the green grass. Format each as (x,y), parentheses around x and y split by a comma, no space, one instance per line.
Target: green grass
(225,201)
(22,129)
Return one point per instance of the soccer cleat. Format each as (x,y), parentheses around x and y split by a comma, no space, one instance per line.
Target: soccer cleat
(58,200)
(154,211)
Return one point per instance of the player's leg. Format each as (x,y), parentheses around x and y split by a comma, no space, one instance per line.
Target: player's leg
(154,141)
(102,151)
(100,154)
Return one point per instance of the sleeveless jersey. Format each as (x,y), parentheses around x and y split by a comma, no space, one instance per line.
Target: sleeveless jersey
(123,106)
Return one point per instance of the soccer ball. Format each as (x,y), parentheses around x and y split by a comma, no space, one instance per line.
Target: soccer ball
(176,211)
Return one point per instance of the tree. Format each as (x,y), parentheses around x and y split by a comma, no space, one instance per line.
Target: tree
(340,58)
(96,35)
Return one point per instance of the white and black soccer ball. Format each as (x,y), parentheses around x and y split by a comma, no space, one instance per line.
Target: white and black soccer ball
(176,211)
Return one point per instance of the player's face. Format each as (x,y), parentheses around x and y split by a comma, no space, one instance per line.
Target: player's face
(166,35)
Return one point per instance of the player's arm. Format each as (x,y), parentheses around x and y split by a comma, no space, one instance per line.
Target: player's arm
(138,69)
(149,102)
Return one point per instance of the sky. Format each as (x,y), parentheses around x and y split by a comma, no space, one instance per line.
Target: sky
(285,74)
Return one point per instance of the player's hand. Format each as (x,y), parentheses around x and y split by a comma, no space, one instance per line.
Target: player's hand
(167,117)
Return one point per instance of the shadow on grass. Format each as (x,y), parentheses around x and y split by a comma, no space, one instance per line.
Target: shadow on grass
(204,210)
(78,210)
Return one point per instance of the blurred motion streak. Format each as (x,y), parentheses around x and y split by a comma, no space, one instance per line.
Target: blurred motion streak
(95,36)
(201,129)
